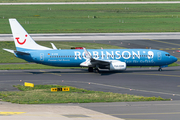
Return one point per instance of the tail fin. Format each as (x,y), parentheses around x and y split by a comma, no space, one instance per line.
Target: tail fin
(22,39)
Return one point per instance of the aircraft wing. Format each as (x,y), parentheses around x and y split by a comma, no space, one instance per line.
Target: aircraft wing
(54,47)
(101,62)
(91,62)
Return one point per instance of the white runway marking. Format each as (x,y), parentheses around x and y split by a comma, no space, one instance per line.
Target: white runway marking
(126,88)
(99,36)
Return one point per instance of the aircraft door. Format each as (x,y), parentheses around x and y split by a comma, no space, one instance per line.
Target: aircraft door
(159,56)
(41,56)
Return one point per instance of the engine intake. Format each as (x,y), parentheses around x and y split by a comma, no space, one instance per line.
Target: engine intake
(117,65)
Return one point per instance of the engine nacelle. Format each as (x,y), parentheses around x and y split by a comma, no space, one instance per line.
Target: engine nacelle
(117,65)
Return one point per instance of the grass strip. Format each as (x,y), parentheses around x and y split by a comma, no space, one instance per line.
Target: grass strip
(92,18)
(41,94)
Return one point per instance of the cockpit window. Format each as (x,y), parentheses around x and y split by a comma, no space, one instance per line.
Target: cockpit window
(167,54)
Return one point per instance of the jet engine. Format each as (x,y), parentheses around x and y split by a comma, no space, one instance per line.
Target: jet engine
(117,65)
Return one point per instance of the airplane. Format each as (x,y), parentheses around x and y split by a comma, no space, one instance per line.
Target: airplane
(93,59)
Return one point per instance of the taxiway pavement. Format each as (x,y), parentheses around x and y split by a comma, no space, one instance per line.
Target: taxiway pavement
(166,110)
(137,81)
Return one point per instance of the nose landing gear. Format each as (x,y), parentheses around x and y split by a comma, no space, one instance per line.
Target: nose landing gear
(160,69)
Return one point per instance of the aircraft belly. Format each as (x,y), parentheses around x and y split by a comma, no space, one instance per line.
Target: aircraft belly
(25,57)
(140,64)
(62,63)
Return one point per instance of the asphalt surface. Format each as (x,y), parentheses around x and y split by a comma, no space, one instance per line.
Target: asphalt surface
(139,110)
(137,81)
(166,110)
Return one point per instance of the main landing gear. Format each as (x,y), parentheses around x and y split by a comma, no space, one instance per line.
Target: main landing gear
(96,70)
(90,69)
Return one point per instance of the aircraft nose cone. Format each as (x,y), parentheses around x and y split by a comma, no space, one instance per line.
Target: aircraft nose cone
(174,59)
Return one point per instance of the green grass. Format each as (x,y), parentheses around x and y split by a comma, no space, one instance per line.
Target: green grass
(41,94)
(16,1)
(10,58)
(178,59)
(173,64)
(109,18)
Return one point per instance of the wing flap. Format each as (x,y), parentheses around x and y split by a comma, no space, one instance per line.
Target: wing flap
(100,61)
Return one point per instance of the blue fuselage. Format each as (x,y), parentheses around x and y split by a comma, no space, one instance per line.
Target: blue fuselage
(73,58)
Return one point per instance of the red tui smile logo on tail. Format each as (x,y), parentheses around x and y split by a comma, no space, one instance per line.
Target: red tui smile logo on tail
(21,43)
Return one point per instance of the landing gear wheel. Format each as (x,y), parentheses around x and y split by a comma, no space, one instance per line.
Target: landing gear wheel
(159,69)
(90,69)
(96,70)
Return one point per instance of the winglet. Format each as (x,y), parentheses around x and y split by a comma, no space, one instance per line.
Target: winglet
(54,47)
(88,56)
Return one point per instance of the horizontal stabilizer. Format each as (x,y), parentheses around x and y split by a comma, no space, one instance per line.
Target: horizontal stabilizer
(16,52)
(11,51)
